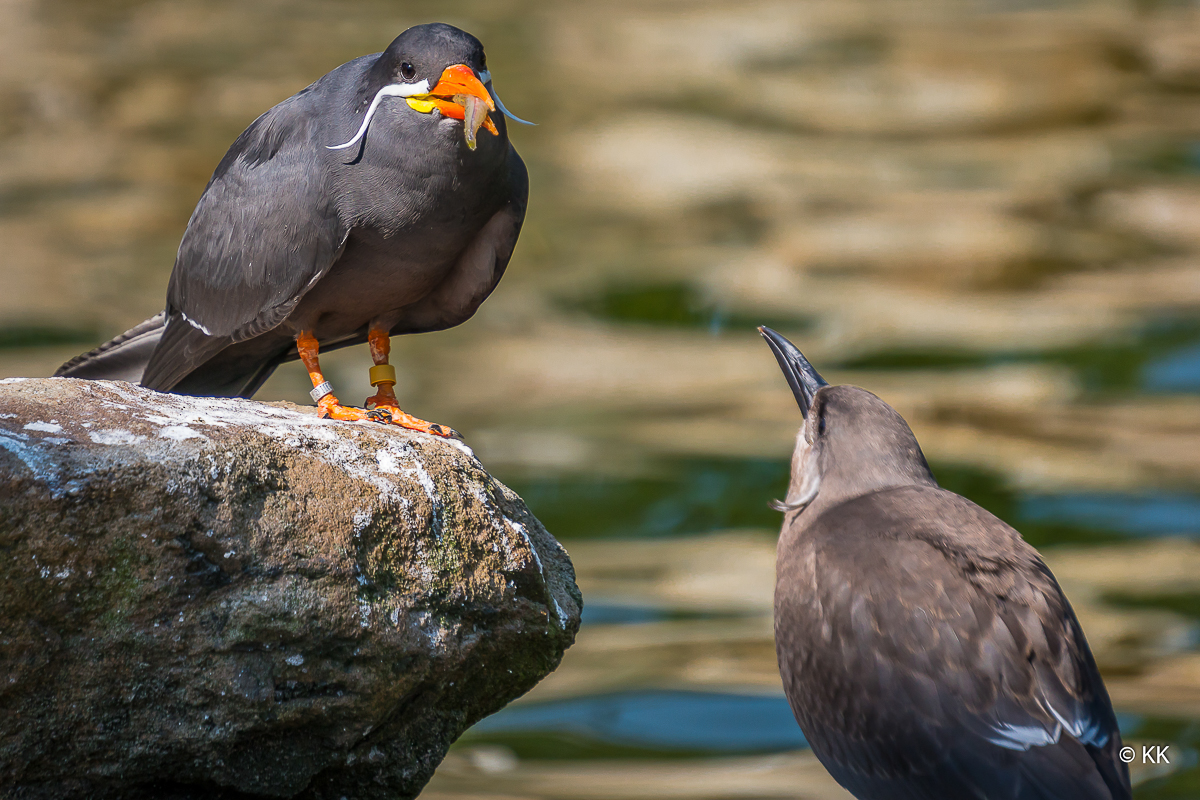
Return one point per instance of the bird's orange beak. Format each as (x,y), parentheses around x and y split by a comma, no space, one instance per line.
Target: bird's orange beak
(460,95)
(460,79)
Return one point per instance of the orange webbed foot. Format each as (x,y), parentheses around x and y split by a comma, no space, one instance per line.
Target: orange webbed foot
(330,408)
(393,414)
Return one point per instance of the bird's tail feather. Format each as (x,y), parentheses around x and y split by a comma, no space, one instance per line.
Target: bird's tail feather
(122,359)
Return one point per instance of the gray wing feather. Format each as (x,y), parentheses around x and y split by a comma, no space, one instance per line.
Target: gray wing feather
(122,359)
(265,230)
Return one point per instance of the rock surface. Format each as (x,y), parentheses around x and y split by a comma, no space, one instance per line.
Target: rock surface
(225,599)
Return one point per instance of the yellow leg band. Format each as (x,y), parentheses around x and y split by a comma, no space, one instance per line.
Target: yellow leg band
(383,373)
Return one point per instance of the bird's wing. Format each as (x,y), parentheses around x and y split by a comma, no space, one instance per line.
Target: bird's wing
(966,674)
(265,230)
(121,359)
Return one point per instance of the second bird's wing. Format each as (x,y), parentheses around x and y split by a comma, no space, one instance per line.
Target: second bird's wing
(264,231)
(961,673)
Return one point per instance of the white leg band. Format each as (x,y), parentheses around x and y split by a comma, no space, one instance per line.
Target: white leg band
(320,391)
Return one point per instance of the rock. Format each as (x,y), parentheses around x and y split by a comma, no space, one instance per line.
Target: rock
(224,599)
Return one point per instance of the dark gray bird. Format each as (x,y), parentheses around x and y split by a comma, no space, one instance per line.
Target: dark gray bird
(366,205)
(926,650)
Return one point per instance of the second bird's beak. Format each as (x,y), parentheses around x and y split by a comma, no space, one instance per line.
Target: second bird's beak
(804,380)
(459,94)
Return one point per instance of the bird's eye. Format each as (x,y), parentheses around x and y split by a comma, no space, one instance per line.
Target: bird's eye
(482,61)
(821,427)
(408,71)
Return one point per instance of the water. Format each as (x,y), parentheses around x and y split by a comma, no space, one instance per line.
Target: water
(1136,515)
(1178,372)
(985,213)
(670,723)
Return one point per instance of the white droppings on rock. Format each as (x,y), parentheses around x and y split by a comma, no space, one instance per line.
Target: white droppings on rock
(115,436)
(182,418)
(461,446)
(56,440)
(35,460)
(180,432)
(560,615)
(13,380)
(220,412)
(519,528)
(418,471)
(44,427)
(388,462)
(477,492)
(323,434)
(295,660)
(275,431)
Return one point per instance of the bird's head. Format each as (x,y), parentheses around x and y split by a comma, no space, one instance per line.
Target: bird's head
(435,68)
(850,442)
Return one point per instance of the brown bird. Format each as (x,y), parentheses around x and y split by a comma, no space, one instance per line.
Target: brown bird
(925,648)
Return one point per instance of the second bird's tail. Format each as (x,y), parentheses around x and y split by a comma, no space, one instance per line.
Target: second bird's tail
(122,359)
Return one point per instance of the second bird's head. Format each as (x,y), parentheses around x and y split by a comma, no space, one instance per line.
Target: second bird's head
(437,70)
(850,441)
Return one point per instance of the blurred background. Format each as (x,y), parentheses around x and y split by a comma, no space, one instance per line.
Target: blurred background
(986,212)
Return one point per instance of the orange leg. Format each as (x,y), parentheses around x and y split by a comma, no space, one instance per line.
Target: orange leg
(330,408)
(383,375)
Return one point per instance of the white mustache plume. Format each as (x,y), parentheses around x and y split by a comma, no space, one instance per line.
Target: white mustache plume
(391,90)
(416,89)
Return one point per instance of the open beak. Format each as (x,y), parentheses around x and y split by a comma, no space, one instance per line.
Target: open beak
(459,94)
(804,380)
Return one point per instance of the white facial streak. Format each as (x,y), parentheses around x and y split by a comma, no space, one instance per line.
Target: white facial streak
(808,489)
(391,90)
(485,78)
(805,483)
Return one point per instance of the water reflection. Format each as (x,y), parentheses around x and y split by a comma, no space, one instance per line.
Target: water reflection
(677,496)
(1178,372)
(1137,515)
(986,213)
(654,723)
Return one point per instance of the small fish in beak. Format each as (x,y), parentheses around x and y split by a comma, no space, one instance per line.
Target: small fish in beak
(459,94)
(475,113)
